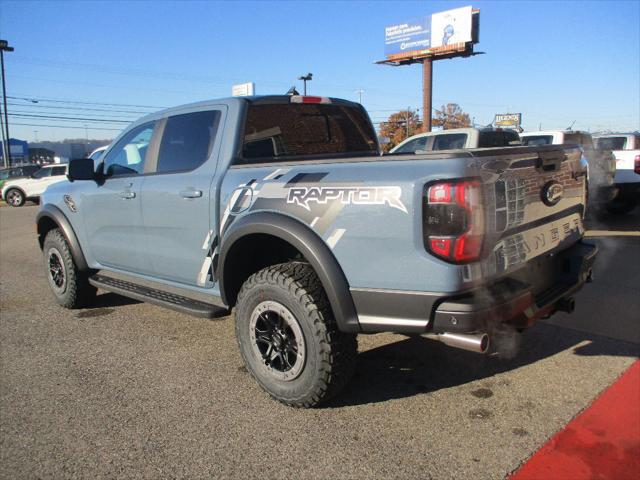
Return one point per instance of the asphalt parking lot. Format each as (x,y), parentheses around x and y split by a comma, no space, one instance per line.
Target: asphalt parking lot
(131,390)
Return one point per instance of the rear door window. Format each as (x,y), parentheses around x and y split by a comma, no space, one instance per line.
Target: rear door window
(43,172)
(451,141)
(187,141)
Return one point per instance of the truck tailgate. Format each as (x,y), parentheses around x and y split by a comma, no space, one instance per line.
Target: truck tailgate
(534,203)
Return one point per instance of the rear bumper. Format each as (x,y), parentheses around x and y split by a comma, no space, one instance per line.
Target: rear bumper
(513,300)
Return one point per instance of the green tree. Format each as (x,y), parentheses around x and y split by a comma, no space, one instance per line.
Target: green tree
(451,116)
(400,125)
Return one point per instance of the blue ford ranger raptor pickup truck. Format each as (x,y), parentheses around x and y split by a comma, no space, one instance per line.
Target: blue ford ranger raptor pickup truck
(282,208)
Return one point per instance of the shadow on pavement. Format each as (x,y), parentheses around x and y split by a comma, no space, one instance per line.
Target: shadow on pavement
(417,365)
(109,299)
(628,222)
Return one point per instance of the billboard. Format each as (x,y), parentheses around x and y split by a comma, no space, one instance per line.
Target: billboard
(507,119)
(452,26)
(406,37)
(431,34)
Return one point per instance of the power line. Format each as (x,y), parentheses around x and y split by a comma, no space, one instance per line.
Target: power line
(78,102)
(30,105)
(80,115)
(77,119)
(65,126)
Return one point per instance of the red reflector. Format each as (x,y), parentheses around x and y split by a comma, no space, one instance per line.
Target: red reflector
(467,247)
(440,193)
(309,99)
(636,164)
(440,246)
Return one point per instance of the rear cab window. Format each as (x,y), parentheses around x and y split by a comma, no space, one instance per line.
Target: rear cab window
(498,138)
(578,139)
(611,143)
(281,131)
(450,141)
(533,140)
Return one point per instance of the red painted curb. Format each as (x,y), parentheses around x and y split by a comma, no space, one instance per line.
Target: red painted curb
(602,443)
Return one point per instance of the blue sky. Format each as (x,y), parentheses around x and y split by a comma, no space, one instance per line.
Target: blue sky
(555,62)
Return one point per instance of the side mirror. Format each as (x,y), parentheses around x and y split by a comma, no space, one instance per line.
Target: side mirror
(81,169)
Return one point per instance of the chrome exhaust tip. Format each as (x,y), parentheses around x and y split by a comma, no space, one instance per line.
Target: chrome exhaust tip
(472,342)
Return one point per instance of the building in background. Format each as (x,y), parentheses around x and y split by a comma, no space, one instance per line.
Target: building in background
(18,152)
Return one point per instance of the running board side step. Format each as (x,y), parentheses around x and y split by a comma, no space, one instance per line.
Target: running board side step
(157,297)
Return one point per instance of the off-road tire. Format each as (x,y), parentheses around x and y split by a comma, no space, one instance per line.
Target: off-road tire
(14,197)
(330,355)
(75,291)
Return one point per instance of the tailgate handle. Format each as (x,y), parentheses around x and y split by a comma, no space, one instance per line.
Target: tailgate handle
(549,162)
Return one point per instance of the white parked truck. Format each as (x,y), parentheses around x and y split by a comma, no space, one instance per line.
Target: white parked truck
(601,163)
(458,138)
(626,150)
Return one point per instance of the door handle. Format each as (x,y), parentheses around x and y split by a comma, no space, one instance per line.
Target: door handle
(191,193)
(127,195)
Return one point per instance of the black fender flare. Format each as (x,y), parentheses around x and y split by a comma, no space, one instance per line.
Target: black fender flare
(311,246)
(53,213)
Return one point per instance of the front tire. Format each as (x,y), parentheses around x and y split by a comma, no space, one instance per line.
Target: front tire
(69,285)
(15,197)
(288,336)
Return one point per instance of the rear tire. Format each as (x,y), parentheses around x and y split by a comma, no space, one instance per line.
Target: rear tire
(14,197)
(70,286)
(288,337)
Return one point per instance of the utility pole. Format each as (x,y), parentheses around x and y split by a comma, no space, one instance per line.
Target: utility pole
(4,47)
(408,121)
(360,92)
(306,78)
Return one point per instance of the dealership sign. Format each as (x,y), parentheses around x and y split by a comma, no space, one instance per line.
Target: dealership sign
(421,36)
(507,119)
(243,89)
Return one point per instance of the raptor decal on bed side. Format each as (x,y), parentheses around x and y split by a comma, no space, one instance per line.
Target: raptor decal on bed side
(389,195)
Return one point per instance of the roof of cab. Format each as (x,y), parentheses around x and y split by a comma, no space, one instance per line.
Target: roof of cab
(235,101)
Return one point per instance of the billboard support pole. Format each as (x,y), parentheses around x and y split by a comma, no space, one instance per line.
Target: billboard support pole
(427,92)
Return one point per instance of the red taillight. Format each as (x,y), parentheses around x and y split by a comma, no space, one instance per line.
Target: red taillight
(309,99)
(453,220)
(636,164)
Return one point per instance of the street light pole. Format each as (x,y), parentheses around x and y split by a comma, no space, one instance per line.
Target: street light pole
(4,47)
(306,78)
